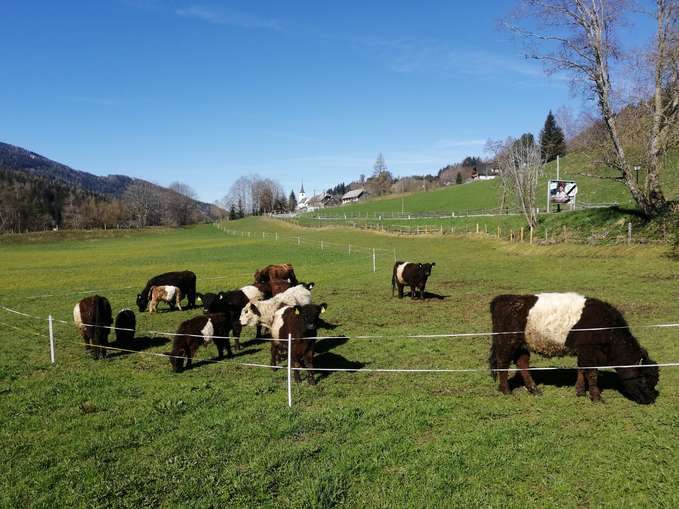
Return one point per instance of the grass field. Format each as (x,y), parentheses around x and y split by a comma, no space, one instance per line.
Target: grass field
(127,432)
(486,195)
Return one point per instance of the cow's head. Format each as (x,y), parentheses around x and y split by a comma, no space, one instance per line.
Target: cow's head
(142,302)
(308,286)
(426,268)
(250,315)
(311,315)
(209,300)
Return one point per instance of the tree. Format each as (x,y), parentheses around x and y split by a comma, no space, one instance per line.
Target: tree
(180,204)
(292,201)
(579,37)
(458,178)
(520,165)
(552,140)
(379,166)
(233,215)
(241,210)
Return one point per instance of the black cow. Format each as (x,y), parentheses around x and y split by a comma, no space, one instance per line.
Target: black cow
(196,332)
(410,274)
(231,304)
(185,281)
(125,325)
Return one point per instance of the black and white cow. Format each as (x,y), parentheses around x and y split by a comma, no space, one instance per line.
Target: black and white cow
(196,332)
(410,274)
(558,324)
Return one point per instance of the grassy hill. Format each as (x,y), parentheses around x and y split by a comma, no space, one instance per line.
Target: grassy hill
(487,194)
(127,432)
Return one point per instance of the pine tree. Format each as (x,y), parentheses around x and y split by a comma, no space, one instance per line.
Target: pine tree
(232,213)
(552,140)
(292,202)
(241,210)
(458,178)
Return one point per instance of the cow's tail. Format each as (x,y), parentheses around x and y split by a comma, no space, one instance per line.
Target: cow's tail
(492,360)
(393,283)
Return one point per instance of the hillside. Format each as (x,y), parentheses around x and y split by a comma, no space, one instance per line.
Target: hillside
(38,193)
(487,194)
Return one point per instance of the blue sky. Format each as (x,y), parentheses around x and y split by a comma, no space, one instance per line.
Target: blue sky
(204,92)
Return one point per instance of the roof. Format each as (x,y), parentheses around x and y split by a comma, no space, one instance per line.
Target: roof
(356,193)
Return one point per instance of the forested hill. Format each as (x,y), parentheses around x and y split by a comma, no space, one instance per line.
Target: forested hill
(38,193)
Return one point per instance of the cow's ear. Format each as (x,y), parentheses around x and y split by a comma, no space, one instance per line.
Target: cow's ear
(311,285)
(433,263)
(296,310)
(324,306)
(221,296)
(419,265)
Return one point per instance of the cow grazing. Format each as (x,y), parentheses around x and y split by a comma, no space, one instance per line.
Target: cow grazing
(125,325)
(282,271)
(93,319)
(410,274)
(196,332)
(550,324)
(170,294)
(301,323)
(262,313)
(185,281)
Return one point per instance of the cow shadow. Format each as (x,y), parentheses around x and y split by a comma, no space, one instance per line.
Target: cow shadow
(138,344)
(567,378)
(331,360)
(202,362)
(328,343)
(434,296)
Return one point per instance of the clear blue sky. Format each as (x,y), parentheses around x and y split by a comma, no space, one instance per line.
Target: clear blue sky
(204,92)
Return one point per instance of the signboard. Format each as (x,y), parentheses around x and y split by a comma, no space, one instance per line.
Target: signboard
(561,192)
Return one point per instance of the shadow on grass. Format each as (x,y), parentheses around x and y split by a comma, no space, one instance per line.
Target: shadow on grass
(327,344)
(137,345)
(567,378)
(330,360)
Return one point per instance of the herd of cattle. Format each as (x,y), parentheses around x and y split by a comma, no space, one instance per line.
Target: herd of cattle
(550,324)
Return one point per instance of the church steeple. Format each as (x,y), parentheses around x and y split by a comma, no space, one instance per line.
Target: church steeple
(301,191)
(302,196)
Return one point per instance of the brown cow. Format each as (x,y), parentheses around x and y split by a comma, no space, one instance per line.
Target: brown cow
(170,294)
(93,318)
(282,271)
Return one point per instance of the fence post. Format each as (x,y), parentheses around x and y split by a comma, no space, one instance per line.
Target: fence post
(321,245)
(477,228)
(531,234)
(522,234)
(629,233)
(349,248)
(52,357)
(276,235)
(290,370)
(299,240)
(374,268)
(498,232)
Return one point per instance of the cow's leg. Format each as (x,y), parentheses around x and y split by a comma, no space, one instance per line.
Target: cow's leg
(227,344)
(178,300)
(502,354)
(237,328)
(413,290)
(309,364)
(594,392)
(258,333)
(219,343)
(580,384)
(297,364)
(274,354)
(400,290)
(522,362)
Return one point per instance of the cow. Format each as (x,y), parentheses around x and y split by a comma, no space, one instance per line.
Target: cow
(231,302)
(185,281)
(170,294)
(301,324)
(93,318)
(559,324)
(262,313)
(282,271)
(410,274)
(125,325)
(196,332)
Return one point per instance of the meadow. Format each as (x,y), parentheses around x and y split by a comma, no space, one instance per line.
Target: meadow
(128,432)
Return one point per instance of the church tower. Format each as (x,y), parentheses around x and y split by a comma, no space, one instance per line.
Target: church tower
(302,196)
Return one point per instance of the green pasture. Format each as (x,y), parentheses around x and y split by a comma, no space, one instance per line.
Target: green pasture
(474,196)
(128,432)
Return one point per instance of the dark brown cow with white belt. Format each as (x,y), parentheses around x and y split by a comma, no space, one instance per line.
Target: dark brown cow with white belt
(410,274)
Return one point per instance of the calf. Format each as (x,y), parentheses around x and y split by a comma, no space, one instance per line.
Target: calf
(125,326)
(170,294)
(282,271)
(196,332)
(262,313)
(558,324)
(301,323)
(93,319)
(184,280)
(411,274)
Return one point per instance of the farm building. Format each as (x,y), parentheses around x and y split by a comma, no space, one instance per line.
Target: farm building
(353,196)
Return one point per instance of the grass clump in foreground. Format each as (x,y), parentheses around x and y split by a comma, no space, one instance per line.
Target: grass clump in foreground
(127,432)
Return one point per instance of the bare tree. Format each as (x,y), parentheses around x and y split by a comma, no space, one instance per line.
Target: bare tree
(180,204)
(579,37)
(520,165)
(144,203)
